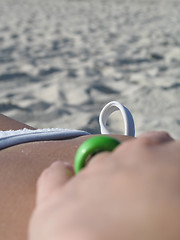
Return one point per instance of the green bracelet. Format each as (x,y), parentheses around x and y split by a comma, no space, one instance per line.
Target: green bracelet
(93,146)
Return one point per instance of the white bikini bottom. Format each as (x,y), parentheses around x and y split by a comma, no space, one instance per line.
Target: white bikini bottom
(13,137)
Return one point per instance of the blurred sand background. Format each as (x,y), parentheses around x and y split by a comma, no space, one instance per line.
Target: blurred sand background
(62,61)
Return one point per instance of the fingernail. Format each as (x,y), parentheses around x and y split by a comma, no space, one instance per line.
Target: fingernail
(69,166)
(55,163)
(156,133)
(65,164)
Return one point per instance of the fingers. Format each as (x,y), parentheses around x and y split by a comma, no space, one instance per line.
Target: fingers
(129,147)
(98,159)
(51,179)
(155,138)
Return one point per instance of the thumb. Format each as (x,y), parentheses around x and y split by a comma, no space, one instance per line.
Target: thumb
(52,179)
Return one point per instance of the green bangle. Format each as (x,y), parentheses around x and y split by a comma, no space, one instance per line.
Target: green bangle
(92,146)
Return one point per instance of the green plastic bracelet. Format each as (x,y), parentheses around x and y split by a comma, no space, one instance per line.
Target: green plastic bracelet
(92,146)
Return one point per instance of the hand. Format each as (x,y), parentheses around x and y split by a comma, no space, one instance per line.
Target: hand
(130,194)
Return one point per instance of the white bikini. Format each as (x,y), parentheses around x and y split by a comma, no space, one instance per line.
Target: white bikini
(13,137)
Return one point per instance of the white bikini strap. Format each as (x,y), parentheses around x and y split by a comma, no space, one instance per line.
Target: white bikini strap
(111,107)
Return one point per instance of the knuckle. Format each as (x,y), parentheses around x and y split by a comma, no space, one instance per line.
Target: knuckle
(43,177)
(125,146)
(96,164)
(144,141)
(153,138)
(133,152)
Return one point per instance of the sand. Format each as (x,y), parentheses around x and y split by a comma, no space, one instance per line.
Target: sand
(62,61)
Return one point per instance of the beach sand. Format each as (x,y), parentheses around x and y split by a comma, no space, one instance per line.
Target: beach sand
(62,61)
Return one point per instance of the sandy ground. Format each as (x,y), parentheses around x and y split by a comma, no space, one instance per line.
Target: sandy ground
(62,61)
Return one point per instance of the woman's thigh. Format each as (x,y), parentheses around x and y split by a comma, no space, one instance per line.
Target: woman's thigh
(7,123)
(20,166)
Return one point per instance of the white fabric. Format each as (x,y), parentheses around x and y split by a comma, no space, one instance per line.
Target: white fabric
(14,137)
(9,133)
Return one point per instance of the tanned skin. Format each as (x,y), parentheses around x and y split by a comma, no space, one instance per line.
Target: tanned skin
(20,167)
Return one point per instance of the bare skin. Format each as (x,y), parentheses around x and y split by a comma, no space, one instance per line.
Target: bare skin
(20,167)
(130,194)
(146,205)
